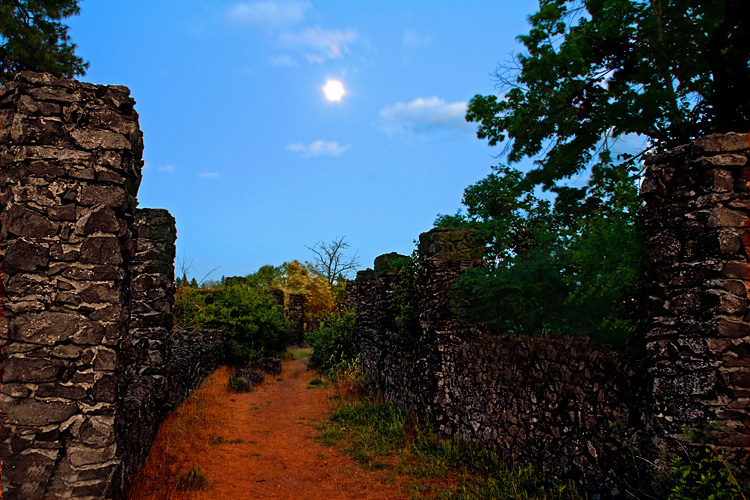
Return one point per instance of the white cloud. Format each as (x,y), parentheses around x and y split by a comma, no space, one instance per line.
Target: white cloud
(318,148)
(284,61)
(166,168)
(412,40)
(268,13)
(208,175)
(330,44)
(424,116)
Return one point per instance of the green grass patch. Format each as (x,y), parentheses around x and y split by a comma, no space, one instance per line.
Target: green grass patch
(316,382)
(383,436)
(298,353)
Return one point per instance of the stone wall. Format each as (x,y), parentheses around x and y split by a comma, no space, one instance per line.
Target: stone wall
(549,402)
(697,346)
(90,366)
(295,311)
(145,349)
(562,404)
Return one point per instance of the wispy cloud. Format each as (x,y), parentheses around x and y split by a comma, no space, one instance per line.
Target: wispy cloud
(284,61)
(324,44)
(268,13)
(426,116)
(279,22)
(412,40)
(166,168)
(318,148)
(208,175)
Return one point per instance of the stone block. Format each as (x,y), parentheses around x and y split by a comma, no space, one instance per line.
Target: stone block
(101,250)
(109,196)
(31,412)
(21,221)
(93,139)
(720,143)
(80,456)
(34,370)
(101,220)
(47,328)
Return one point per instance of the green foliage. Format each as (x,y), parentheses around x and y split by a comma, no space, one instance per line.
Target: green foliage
(189,309)
(595,71)
(254,323)
(592,72)
(704,474)
(333,342)
(404,298)
(383,436)
(32,37)
(562,268)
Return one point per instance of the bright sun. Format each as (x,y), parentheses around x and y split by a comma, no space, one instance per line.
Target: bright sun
(334,90)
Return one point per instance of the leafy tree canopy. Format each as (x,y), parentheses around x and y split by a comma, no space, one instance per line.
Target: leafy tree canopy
(596,70)
(32,37)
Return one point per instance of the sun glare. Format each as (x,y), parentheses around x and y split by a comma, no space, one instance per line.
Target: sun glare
(334,90)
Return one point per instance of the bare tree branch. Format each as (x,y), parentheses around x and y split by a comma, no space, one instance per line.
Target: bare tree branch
(330,260)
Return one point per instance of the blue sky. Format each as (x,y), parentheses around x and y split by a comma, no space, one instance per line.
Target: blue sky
(242,146)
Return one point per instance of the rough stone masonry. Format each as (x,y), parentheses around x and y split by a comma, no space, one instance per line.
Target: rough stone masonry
(90,363)
(570,408)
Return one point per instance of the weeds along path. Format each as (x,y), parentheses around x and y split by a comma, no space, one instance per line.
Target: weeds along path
(256,445)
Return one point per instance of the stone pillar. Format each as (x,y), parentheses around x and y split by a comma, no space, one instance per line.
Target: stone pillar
(278,296)
(144,351)
(697,344)
(444,253)
(70,155)
(295,311)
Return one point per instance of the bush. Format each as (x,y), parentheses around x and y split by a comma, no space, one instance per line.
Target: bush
(254,322)
(189,308)
(332,342)
(704,474)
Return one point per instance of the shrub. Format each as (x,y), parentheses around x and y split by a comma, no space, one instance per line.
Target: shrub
(333,341)
(704,474)
(254,323)
(405,298)
(189,308)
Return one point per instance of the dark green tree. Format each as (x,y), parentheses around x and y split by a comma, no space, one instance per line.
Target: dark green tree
(593,72)
(597,70)
(32,37)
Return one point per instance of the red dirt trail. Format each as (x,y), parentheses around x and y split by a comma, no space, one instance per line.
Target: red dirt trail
(275,454)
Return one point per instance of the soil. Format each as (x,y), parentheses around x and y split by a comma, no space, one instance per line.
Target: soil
(268,448)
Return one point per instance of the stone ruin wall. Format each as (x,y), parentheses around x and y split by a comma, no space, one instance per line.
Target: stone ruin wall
(90,363)
(697,345)
(566,406)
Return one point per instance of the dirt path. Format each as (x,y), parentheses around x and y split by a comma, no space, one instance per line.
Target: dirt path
(267,448)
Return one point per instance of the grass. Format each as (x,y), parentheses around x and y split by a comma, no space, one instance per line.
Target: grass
(193,479)
(298,353)
(222,440)
(382,436)
(239,384)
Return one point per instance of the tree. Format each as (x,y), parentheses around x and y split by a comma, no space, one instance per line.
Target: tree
(304,278)
(32,37)
(597,70)
(331,262)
